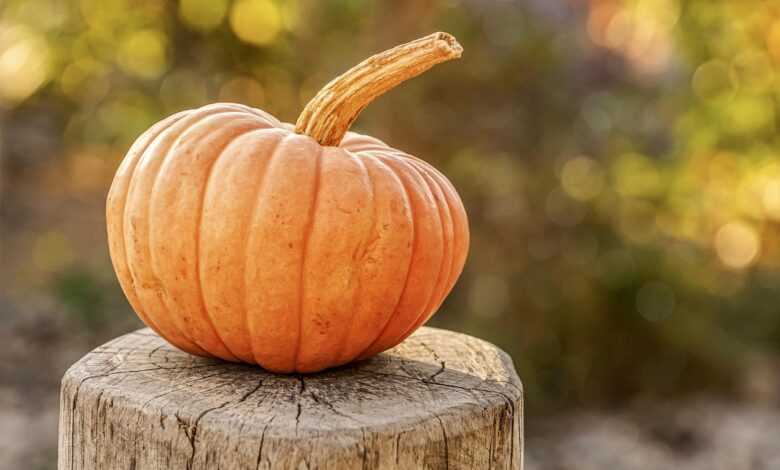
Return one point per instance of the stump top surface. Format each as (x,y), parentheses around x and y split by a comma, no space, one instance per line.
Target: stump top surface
(436,379)
(432,372)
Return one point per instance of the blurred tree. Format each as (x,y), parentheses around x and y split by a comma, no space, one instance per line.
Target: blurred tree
(618,158)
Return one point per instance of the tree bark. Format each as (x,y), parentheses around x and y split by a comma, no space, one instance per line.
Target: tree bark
(438,400)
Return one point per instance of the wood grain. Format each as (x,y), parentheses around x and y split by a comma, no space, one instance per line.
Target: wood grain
(438,400)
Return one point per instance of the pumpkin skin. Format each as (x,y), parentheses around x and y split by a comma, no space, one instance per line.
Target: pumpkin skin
(234,236)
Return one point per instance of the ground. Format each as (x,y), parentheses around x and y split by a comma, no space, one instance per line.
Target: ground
(699,435)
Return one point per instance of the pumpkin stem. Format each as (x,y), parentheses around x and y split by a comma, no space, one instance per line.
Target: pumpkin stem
(328,116)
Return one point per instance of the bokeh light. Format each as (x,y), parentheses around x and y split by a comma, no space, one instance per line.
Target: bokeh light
(773,40)
(24,63)
(771,199)
(737,244)
(636,175)
(582,178)
(85,79)
(142,53)
(638,30)
(255,21)
(712,80)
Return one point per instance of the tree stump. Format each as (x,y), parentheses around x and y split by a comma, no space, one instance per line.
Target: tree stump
(439,400)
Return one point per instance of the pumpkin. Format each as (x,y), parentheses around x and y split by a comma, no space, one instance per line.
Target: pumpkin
(297,248)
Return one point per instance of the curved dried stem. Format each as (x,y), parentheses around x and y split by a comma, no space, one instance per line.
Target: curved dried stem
(328,116)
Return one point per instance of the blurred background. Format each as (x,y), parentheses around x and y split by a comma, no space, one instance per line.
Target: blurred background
(619,159)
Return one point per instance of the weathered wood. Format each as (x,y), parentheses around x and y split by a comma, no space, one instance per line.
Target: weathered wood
(439,400)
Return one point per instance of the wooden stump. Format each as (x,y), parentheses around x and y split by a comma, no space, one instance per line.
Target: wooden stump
(439,400)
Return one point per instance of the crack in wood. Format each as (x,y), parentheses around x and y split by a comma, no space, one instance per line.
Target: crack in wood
(75,404)
(191,430)
(262,442)
(153,351)
(193,434)
(435,384)
(438,372)
(509,401)
(430,350)
(252,392)
(298,417)
(325,402)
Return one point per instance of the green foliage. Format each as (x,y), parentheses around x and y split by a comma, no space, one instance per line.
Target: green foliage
(619,159)
(83,297)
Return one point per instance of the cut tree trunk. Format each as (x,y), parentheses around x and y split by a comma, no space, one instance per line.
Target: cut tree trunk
(438,400)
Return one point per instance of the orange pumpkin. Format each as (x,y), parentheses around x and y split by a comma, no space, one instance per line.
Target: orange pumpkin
(296,248)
